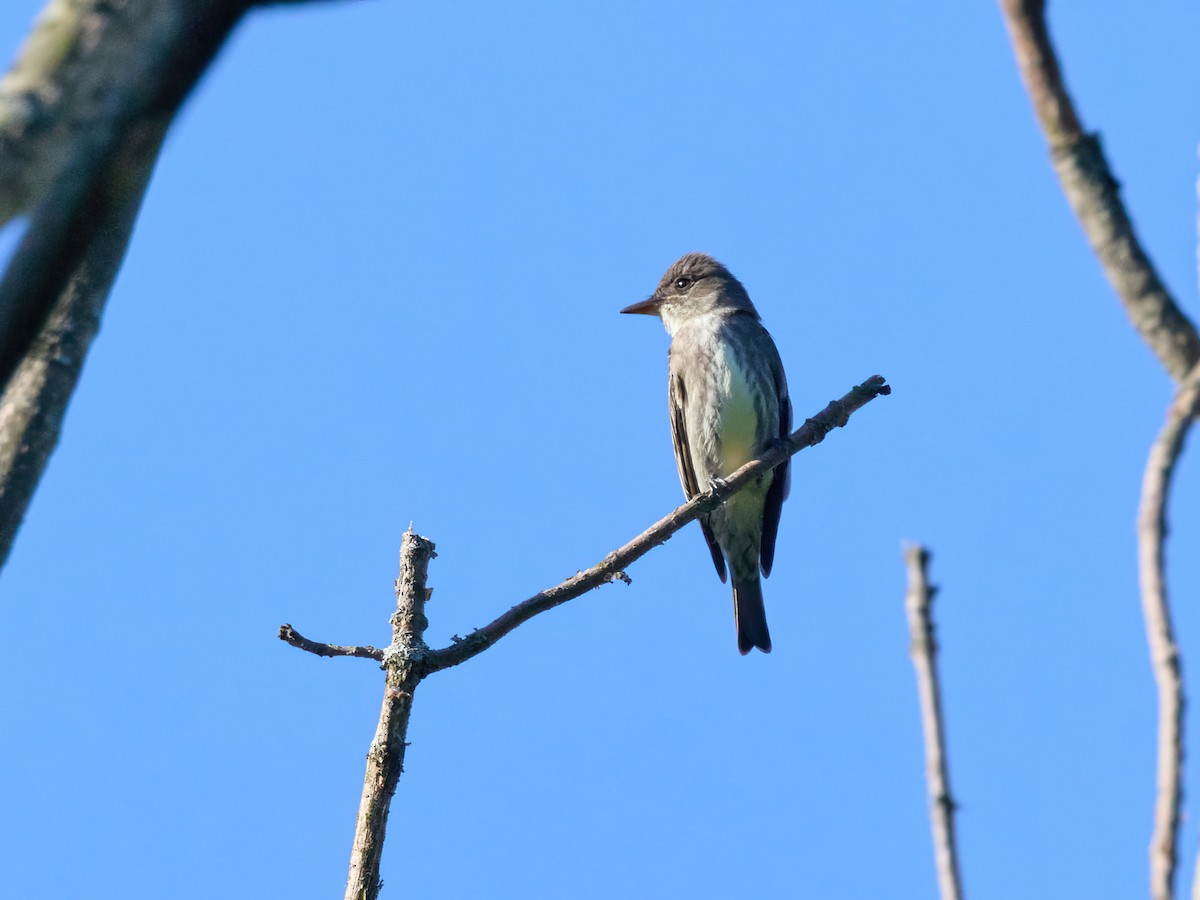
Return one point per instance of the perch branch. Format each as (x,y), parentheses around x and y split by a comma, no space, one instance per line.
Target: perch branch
(385,759)
(407,659)
(612,567)
(290,635)
(1094,194)
(918,603)
(1164,654)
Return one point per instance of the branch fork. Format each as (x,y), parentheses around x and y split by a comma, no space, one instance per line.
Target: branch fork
(407,660)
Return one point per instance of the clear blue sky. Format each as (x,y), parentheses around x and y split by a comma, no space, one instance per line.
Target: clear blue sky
(376,281)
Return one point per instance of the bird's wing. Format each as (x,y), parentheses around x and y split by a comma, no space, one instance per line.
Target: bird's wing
(677,397)
(782,477)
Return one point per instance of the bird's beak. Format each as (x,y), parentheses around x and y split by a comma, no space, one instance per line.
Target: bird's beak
(648,307)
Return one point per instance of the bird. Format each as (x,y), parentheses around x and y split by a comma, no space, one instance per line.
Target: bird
(728,401)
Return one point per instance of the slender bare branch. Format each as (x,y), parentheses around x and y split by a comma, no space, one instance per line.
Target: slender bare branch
(290,635)
(918,603)
(1164,655)
(385,759)
(612,567)
(1094,194)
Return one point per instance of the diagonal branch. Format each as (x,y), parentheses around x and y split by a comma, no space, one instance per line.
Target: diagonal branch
(1094,194)
(164,48)
(611,568)
(1164,655)
(33,406)
(83,112)
(918,602)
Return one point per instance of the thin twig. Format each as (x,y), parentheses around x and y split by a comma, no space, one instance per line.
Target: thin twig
(1164,655)
(918,603)
(612,566)
(1094,194)
(385,759)
(290,635)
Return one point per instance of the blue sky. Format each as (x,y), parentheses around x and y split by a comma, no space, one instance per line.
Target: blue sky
(376,281)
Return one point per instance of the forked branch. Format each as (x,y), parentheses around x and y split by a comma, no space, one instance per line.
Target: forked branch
(408,660)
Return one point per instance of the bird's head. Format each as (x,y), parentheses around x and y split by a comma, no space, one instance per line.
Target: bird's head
(695,284)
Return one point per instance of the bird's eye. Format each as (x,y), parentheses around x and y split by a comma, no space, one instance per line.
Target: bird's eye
(683,283)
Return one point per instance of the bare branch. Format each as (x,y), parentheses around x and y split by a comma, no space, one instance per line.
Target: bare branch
(407,659)
(33,406)
(918,602)
(1094,195)
(1164,655)
(61,89)
(612,567)
(385,759)
(290,635)
(151,53)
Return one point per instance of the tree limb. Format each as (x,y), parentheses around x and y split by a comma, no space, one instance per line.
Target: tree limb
(33,406)
(160,48)
(290,635)
(612,567)
(82,115)
(385,759)
(1164,654)
(60,91)
(918,602)
(1094,194)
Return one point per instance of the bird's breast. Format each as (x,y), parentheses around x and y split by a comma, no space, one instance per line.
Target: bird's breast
(738,416)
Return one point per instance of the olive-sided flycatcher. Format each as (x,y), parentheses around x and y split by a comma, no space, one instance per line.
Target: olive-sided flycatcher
(728,401)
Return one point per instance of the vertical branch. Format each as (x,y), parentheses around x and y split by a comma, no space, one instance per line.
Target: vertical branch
(1164,654)
(403,663)
(918,602)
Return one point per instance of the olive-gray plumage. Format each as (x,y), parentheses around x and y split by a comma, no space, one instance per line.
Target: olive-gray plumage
(728,402)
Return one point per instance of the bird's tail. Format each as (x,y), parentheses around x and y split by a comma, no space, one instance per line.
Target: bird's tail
(750,614)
